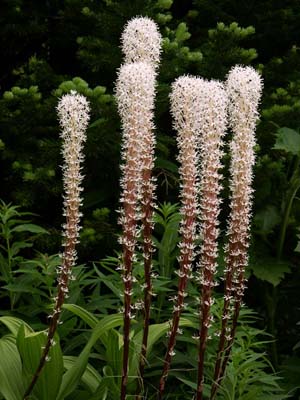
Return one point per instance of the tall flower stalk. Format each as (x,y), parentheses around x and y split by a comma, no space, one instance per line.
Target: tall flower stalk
(135,90)
(185,109)
(141,41)
(73,112)
(213,121)
(244,86)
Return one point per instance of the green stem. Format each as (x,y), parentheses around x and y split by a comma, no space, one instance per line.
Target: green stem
(285,220)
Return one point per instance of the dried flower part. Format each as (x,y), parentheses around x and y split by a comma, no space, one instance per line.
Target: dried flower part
(213,121)
(141,41)
(73,112)
(185,108)
(135,90)
(244,86)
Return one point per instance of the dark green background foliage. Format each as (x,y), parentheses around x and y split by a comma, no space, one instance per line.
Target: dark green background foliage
(50,47)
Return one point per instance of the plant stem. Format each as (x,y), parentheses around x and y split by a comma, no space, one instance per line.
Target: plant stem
(147,223)
(129,239)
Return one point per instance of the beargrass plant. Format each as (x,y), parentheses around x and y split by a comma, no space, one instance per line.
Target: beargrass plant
(200,109)
(135,92)
(73,112)
(244,87)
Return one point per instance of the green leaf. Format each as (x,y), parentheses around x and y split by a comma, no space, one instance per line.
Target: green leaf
(74,374)
(288,140)
(14,324)
(266,220)
(30,228)
(30,348)
(91,378)
(17,246)
(85,315)
(11,382)
(156,331)
(271,271)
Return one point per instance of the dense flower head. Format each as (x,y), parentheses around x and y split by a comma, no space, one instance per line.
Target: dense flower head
(73,112)
(185,108)
(141,41)
(213,120)
(244,87)
(135,93)
(135,90)
(185,103)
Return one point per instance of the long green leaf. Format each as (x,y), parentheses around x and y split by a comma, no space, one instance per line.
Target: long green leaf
(14,324)
(91,378)
(11,383)
(156,331)
(85,315)
(32,228)
(30,348)
(74,374)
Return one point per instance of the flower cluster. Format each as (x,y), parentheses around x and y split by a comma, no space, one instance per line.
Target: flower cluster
(73,113)
(135,89)
(185,108)
(213,122)
(141,41)
(141,45)
(244,86)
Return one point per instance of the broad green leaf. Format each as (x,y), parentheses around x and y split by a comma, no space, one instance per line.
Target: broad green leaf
(101,392)
(74,374)
(266,220)
(288,140)
(161,163)
(156,331)
(17,246)
(30,347)
(85,315)
(14,324)
(270,271)
(109,378)
(113,355)
(32,228)
(4,268)
(11,383)
(91,378)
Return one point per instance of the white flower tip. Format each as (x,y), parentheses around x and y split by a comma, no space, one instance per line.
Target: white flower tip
(244,82)
(73,106)
(141,41)
(135,85)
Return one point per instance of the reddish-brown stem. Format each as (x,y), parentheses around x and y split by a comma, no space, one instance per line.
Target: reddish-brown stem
(185,264)
(62,290)
(131,172)
(127,314)
(237,307)
(232,291)
(147,211)
(209,235)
